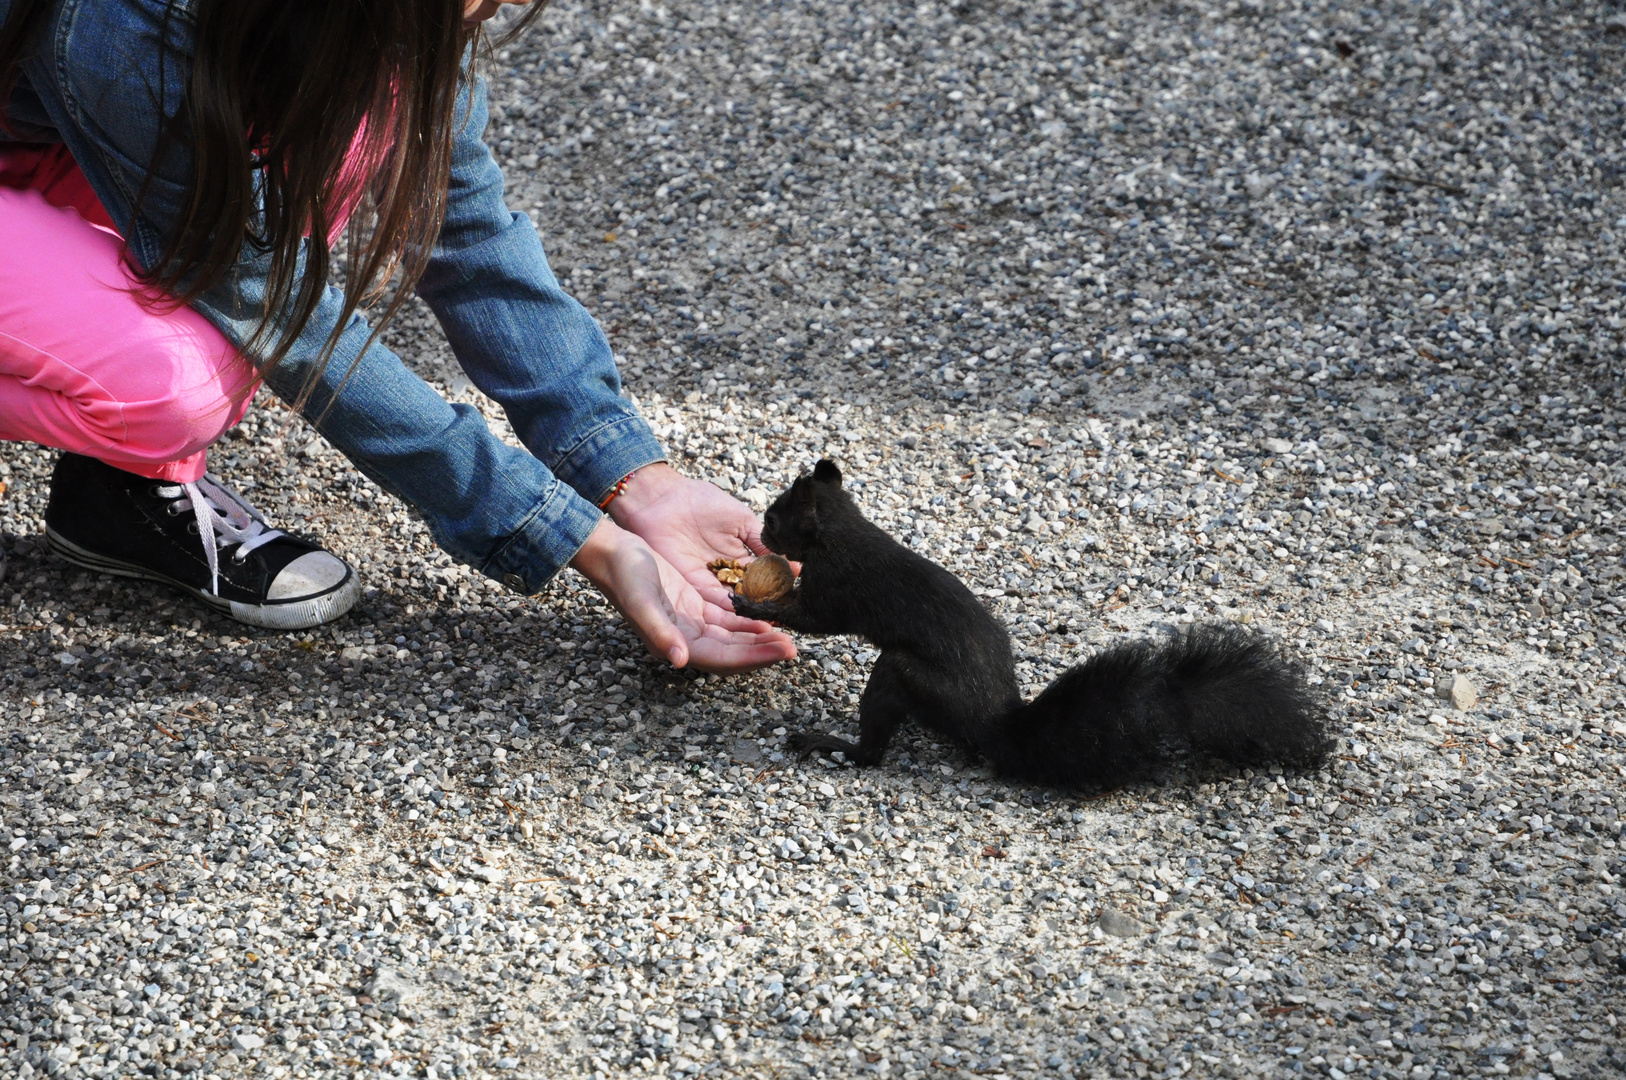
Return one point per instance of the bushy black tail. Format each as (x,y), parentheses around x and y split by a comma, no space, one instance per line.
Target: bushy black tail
(1213,692)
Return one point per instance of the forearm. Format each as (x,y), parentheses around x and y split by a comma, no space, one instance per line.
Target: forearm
(521,338)
(489,505)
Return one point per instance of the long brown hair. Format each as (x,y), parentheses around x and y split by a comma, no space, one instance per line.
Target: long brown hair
(284,100)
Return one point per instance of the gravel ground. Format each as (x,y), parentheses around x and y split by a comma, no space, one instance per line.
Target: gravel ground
(1304,315)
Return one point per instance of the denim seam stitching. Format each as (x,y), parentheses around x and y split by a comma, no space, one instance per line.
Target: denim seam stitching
(68,20)
(565,464)
(496,557)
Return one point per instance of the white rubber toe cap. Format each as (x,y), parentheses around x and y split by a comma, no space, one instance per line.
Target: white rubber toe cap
(311,574)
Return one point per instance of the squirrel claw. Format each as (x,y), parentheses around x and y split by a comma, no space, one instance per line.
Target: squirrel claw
(806,744)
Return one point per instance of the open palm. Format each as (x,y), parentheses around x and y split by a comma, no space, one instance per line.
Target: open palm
(687,524)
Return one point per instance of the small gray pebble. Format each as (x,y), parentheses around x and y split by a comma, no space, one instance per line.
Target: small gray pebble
(1119,924)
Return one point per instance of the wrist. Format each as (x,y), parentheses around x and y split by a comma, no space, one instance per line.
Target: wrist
(642,488)
(594,558)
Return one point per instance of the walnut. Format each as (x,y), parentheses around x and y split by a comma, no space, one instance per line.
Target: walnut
(760,581)
(728,571)
(767,579)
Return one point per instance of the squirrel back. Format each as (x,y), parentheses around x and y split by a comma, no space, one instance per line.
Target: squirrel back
(1215,691)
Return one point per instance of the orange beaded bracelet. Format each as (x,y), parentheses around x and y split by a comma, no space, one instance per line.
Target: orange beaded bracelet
(621,485)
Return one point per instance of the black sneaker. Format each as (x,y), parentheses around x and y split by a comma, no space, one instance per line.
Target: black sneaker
(202,538)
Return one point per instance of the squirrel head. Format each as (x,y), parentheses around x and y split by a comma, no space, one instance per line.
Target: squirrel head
(792,524)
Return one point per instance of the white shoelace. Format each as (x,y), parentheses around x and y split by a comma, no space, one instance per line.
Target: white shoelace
(224,518)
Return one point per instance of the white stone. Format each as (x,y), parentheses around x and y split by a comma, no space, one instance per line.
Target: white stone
(1459,690)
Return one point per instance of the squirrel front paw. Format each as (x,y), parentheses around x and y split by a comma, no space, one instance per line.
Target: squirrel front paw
(752,609)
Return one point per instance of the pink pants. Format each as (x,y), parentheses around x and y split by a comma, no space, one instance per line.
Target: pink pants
(84,366)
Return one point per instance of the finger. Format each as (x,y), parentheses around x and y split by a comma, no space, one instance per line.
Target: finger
(723,659)
(783,647)
(742,637)
(731,620)
(710,589)
(651,615)
(718,598)
(665,642)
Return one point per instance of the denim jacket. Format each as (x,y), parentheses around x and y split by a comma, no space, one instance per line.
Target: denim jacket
(96,81)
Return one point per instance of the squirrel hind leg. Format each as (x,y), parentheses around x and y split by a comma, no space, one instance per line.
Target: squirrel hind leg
(807,743)
(885,705)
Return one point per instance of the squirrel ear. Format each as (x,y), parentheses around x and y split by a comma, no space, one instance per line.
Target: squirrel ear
(825,472)
(800,493)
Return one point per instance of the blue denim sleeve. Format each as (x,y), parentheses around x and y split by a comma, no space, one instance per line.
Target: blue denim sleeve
(492,506)
(522,340)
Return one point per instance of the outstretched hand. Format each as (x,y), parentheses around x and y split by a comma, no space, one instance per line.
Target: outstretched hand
(650,560)
(690,522)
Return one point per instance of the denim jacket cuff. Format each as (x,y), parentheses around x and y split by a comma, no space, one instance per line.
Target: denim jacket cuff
(546,542)
(600,460)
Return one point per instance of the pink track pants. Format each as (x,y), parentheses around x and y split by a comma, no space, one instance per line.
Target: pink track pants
(84,366)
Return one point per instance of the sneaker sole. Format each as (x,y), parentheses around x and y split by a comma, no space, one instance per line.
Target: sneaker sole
(303,614)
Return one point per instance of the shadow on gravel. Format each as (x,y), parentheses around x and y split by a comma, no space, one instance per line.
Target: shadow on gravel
(1306,316)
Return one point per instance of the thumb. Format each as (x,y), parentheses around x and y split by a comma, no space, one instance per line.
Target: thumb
(661,636)
(651,616)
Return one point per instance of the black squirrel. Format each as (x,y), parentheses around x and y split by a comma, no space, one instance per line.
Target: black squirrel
(1213,692)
